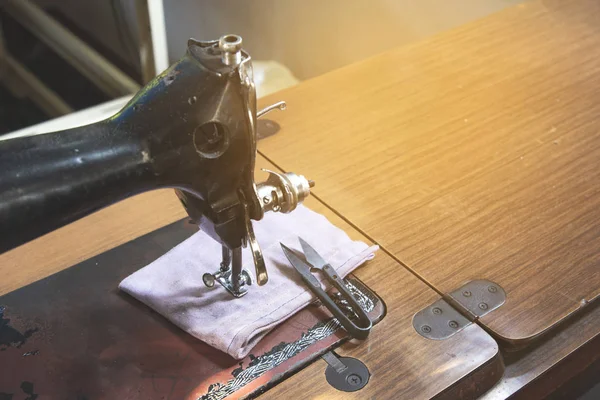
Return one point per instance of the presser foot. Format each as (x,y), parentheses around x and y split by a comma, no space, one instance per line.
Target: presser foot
(224,279)
(231,275)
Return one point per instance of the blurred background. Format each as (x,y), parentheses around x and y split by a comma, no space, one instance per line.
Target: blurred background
(61,56)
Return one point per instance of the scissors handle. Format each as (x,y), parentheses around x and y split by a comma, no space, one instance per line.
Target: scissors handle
(358,331)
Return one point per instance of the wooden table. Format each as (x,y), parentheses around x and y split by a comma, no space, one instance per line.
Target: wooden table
(394,349)
(470,155)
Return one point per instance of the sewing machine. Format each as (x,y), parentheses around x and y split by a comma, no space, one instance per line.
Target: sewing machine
(192,128)
(478,160)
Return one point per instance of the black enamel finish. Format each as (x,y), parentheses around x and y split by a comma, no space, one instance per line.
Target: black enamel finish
(189,129)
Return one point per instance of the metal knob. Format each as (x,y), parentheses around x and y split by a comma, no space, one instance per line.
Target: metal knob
(208,279)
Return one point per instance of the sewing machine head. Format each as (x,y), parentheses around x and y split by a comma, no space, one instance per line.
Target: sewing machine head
(192,128)
(224,198)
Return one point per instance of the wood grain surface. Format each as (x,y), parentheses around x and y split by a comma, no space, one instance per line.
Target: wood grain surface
(401,361)
(554,362)
(88,237)
(403,364)
(471,155)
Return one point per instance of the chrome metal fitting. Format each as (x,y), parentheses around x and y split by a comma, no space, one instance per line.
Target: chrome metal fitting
(231,49)
(283,192)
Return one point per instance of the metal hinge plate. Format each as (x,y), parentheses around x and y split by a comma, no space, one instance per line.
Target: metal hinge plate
(439,321)
(470,302)
(479,297)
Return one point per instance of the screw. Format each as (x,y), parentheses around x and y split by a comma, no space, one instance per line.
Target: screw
(492,289)
(266,199)
(209,280)
(354,379)
(483,306)
(437,310)
(466,293)
(453,324)
(214,135)
(426,329)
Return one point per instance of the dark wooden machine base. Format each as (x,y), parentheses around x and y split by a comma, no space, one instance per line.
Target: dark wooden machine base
(74,335)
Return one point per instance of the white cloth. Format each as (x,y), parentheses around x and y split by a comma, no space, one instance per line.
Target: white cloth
(172,285)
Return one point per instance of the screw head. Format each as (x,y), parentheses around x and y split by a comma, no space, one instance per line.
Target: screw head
(354,379)
(208,279)
(426,329)
(453,324)
(483,306)
(246,279)
(436,310)
(266,199)
(466,293)
(492,289)
(211,139)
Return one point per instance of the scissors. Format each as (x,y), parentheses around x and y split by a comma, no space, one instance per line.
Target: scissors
(315,261)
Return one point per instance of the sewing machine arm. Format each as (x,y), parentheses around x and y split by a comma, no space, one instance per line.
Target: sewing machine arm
(192,128)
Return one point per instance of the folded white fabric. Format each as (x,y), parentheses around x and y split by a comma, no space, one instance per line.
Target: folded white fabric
(172,285)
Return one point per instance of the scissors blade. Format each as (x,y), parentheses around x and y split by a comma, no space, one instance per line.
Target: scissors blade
(311,255)
(300,266)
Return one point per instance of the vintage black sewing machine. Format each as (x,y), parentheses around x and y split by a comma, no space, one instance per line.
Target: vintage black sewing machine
(192,128)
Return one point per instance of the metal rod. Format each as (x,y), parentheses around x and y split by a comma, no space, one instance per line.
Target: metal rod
(74,50)
(280,105)
(236,269)
(21,82)
(226,258)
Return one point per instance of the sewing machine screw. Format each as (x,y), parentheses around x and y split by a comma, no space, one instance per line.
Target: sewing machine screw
(492,289)
(246,279)
(426,329)
(466,293)
(210,139)
(483,306)
(354,379)
(266,199)
(208,279)
(453,324)
(437,310)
